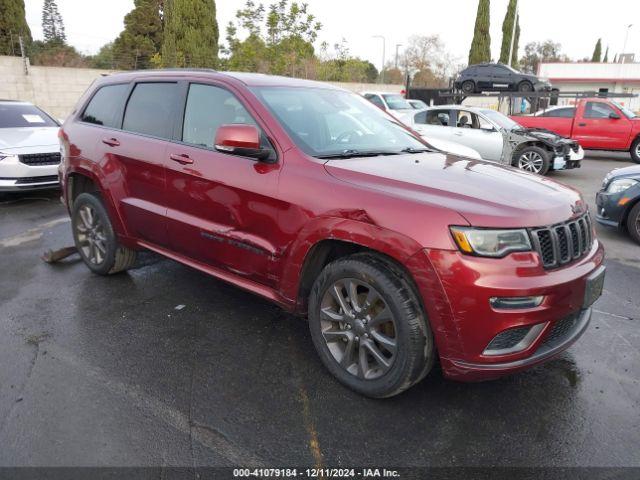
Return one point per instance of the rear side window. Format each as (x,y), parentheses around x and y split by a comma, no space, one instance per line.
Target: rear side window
(105,106)
(568,112)
(150,109)
(209,107)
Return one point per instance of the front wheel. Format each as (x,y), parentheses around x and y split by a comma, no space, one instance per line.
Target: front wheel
(368,327)
(525,87)
(635,150)
(533,159)
(95,239)
(633,223)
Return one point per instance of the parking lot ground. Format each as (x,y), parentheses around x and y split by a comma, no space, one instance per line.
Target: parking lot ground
(165,366)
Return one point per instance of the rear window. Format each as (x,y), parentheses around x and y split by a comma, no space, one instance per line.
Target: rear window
(105,106)
(21,115)
(150,109)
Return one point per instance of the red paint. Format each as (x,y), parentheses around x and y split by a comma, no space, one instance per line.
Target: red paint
(238,136)
(591,133)
(255,224)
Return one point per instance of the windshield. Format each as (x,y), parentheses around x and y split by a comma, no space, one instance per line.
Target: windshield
(397,102)
(326,122)
(17,115)
(501,120)
(418,104)
(627,113)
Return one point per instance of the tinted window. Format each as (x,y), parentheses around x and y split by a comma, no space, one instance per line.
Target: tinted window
(568,112)
(208,107)
(376,100)
(16,115)
(598,110)
(105,106)
(150,109)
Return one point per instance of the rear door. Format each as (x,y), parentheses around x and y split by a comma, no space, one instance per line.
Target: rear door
(594,127)
(434,123)
(501,78)
(222,208)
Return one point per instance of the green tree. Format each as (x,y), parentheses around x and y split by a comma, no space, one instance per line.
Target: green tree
(104,58)
(507,31)
(597,52)
(190,37)
(13,24)
(52,24)
(56,54)
(141,38)
(481,44)
(606,56)
(516,45)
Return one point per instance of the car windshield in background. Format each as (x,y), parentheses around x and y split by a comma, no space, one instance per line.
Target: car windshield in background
(329,123)
(627,113)
(501,120)
(20,115)
(397,102)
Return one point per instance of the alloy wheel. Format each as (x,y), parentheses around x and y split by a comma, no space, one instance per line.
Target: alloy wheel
(531,162)
(638,150)
(91,235)
(358,328)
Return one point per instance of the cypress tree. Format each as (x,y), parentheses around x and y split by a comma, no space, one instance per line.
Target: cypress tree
(597,52)
(516,44)
(52,25)
(190,37)
(507,31)
(141,38)
(606,56)
(13,24)
(481,44)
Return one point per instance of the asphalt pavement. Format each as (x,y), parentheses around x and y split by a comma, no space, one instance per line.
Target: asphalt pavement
(165,366)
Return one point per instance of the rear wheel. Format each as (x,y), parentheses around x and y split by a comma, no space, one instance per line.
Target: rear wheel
(368,327)
(633,223)
(468,86)
(95,239)
(533,159)
(635,150)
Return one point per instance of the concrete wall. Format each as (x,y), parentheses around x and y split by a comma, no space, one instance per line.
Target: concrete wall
(57,89)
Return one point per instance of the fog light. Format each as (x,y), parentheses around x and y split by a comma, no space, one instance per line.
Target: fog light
(513,340)
(515,303)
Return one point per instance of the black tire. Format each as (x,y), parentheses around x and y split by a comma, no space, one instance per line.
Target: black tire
(635,150)
(532,159)
(633,223)
(98,246)
(525,87)
(468,86)
(414,351)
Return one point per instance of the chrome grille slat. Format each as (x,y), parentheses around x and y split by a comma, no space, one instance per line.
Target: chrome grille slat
(563,243)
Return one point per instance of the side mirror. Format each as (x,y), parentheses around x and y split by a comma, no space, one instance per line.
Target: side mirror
(614,116)
(242,140)
(488,129)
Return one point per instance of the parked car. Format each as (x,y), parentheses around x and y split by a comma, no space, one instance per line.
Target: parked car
(490,77)
(29,147)
(597,124)
(417,104)
(392,103)
(497,138)
(395,253)
(619,201)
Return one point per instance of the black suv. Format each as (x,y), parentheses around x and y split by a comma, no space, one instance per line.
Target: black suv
(487,77)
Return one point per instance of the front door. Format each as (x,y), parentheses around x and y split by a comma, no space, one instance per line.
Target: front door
(475,132)
(222,208)
(594,127)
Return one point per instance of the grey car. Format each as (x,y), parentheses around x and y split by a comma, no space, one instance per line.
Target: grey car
(497,138)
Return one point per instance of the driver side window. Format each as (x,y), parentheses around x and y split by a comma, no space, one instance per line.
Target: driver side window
(598,110)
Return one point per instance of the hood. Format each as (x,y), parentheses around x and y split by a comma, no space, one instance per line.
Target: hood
(633,171)
(485,194)
(452,148)
(14,140)
(546,136)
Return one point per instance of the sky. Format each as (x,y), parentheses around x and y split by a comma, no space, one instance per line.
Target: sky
(91,23)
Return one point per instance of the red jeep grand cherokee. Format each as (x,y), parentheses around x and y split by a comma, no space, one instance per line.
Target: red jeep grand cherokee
(314,198)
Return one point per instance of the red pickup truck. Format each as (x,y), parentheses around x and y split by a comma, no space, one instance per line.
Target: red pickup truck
(596,123)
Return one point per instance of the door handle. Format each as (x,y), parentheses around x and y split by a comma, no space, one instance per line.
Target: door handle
(112,142)
(182,159)
(582,124)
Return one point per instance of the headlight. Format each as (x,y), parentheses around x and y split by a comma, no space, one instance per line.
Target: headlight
(621,185)
(491,243)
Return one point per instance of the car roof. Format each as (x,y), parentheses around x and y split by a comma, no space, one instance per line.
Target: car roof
(14,102)
(245,78)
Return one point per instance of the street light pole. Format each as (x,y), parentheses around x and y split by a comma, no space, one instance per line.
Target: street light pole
(513,35)
(398,45)
(384,46)
(626,37)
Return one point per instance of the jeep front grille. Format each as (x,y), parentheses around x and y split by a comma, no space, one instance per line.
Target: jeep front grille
(563,243)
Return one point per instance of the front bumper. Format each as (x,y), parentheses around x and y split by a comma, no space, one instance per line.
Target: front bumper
(608,210)
(457,290)
(567,162)
(18,176)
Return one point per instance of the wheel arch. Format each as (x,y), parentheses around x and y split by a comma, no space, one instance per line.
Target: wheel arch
(526,144)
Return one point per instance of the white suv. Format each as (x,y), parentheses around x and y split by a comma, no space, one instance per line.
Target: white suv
(29,147)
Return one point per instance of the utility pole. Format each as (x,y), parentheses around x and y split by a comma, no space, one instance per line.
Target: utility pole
(384,46)
(398,45)
(23,55)
(513,35)
(626,37)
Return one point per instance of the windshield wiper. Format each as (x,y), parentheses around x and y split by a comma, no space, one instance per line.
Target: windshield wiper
(415,150)
(352,153)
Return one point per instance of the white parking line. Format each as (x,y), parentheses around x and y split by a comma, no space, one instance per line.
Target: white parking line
(31,234)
